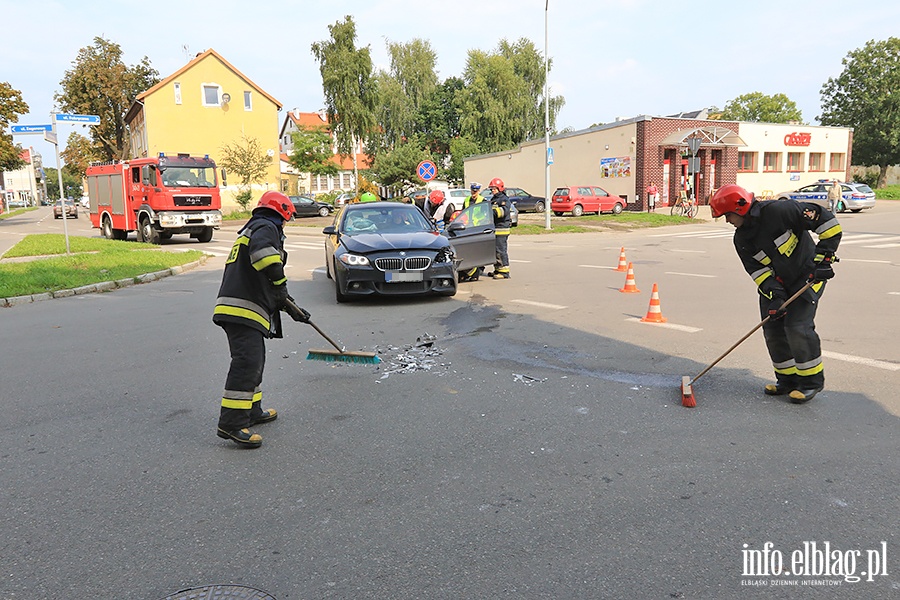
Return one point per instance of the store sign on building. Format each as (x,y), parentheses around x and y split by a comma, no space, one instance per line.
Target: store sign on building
(797,139)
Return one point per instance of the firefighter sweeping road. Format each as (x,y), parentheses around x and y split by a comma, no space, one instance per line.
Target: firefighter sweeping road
(523,439)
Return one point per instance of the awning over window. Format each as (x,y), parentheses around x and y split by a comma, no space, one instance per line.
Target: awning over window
(709,136)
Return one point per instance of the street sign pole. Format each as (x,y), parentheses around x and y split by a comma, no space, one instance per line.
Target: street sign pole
(548,159)
(62,198)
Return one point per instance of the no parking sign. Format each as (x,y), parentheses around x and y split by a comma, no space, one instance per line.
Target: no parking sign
(426,170)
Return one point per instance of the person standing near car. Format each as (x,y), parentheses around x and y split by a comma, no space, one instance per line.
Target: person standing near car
(252,292)
(502,224)
(773,242)
(834,195)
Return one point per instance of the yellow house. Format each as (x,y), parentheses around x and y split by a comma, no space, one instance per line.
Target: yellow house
(201,108)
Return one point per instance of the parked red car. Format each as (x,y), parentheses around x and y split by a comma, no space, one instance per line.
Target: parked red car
(585,199)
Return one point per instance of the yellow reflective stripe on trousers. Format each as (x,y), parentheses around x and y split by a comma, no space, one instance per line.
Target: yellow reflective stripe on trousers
(237,404)
(811,367)
(235,311)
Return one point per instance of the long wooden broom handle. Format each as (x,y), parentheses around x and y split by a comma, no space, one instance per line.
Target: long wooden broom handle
(752,331)
(316,327)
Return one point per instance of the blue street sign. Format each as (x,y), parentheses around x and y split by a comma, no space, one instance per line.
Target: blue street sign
(549,156)
(426,170)
(70,118)
(30,128)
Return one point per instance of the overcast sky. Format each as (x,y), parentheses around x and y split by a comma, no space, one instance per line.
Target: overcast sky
(611,59)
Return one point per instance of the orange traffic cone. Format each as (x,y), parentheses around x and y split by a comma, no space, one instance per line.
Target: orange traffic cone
(623,265)
(654,314)
(630,285)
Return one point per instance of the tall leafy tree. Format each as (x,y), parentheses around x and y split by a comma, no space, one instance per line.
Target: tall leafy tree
(78,154)
(502,103)
(71,182)
(866,96)
(247,160)
(397,167)
(100,83)
(11,106)
(760,108)
(312,151)
(348,86)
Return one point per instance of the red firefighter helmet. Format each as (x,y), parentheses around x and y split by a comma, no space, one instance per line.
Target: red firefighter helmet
(436,197)
(278,202)
(497,183)
(731,198)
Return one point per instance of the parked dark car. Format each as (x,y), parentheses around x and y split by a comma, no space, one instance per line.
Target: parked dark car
(524,201)
(305,206)
(513,211)
(392,249)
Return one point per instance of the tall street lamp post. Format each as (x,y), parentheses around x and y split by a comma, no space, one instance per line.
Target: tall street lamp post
(546,120)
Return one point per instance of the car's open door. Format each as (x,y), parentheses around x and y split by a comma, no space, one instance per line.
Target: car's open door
(471,234)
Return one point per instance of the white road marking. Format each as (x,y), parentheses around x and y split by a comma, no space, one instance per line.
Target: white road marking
(692,251)
(860,360)
(294,246)
(689,274)
(519,261)
(318,270)
(894,293)
(595,267)
(541,304)
(860,238)
(879,246)
(686,328)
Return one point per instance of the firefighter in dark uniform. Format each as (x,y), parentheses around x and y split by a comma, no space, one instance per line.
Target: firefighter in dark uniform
(474,197)
(502,225)
(253,291)
(773,242)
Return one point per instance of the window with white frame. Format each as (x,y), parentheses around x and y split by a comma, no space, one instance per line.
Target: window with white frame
(212,94)
(177,87)
(248,101)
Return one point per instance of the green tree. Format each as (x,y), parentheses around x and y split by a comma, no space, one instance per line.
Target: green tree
(11,106)
(348,87)
(312,151)
(397,168)
(759,108)
(99,83)
(71,182)
(79,153)
(502,103)
(249,162)
(460,149)
(865,96)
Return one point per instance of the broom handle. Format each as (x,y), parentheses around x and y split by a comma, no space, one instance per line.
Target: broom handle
(297,309)
(752,331)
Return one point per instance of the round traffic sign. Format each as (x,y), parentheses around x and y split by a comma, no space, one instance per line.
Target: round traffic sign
(426,170)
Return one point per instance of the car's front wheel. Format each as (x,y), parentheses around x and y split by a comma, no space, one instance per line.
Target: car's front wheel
(539,207)
(323,212)
(617,209)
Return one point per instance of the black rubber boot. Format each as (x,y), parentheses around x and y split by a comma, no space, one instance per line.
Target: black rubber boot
(804,395)
(242,437)
(265,416)
(777,389)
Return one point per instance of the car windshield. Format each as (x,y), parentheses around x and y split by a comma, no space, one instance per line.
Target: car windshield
(402,218)
(561,192)
(189,177)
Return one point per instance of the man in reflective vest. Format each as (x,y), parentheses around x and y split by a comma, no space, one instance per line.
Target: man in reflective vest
(253,291)
(773,242)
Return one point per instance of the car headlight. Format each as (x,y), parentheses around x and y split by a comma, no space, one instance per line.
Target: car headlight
(354,260)
(444,255)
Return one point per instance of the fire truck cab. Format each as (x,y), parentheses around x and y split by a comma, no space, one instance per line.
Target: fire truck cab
(155,197)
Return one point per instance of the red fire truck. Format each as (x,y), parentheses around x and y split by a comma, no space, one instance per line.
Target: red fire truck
(156,197)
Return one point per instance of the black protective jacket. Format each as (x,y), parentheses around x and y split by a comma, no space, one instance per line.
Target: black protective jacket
(255,267)
(502,219)
(775,246)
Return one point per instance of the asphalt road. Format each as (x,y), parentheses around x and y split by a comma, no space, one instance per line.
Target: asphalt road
(538,449)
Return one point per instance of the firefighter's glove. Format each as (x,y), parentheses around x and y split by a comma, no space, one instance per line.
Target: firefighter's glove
(294,311)
(280,294)
(823,270)
(775,311)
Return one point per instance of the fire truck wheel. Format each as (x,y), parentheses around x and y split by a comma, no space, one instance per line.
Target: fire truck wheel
(147,233)
(205,235)
(107,228)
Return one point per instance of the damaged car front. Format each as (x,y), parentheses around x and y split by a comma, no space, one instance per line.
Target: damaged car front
(387,249)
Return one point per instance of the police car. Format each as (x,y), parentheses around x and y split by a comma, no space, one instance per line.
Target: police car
(854,196)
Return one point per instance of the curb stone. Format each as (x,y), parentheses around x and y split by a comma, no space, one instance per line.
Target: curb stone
(103,286)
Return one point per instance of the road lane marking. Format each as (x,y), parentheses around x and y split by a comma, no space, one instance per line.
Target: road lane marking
(861,360)
(520,261)
(686,328)
(689,274)
(595,267)
(884,262)
(880,246)
(860,238)
(540,304)
(692,251)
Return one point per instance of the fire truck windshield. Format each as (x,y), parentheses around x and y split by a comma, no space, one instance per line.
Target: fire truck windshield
(189,177)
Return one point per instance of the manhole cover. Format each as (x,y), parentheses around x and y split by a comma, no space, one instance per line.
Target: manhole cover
(221,592)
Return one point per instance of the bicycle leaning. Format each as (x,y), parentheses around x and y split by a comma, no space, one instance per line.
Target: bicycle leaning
(685,206)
